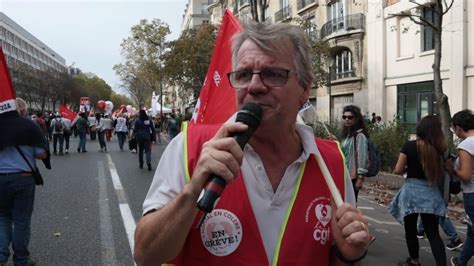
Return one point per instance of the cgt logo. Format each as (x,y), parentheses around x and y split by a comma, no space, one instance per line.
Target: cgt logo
(217,78)
(319,213)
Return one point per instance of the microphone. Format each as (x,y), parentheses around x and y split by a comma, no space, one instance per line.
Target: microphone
(250,114)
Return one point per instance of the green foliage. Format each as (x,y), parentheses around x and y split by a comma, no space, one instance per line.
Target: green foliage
(326,130)
(141,71)
(187,60)
(389,138)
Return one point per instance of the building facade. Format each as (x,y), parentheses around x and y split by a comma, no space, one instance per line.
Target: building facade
(402,53)
(339,22)
(20,46)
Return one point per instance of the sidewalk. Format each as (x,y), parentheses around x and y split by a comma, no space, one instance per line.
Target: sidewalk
(385,185)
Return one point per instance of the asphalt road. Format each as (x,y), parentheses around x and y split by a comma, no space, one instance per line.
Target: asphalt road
(86,212)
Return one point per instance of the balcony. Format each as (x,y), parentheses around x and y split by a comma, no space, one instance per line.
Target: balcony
(304,3)
(283,13)
(343,24)
(336,75)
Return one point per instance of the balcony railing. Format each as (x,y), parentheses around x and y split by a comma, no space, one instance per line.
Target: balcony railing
(342,75)
(347,23)
(283,13)
(304,3)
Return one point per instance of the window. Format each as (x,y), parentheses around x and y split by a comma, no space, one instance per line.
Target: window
(427,32)
(336,15)
(343,64)
(415,100)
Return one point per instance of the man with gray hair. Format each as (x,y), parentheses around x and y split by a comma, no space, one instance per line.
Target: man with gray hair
(276,208)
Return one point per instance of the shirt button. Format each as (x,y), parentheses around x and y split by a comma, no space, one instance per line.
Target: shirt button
(259,167)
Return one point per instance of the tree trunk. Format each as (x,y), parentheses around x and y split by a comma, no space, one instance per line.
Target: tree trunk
(441,98)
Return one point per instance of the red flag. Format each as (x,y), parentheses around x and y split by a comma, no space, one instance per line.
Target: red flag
(66,113)
(7,93)
(216,101)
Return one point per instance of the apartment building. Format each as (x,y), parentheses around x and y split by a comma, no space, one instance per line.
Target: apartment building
(20,46)
(401,54)
(339,22)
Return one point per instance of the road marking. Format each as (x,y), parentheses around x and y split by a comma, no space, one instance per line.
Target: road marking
(380,222)
(125,211)
(381,231)
(109,256)
(364,208)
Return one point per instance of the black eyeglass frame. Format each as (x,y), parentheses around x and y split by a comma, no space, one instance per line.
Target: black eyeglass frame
(259,73)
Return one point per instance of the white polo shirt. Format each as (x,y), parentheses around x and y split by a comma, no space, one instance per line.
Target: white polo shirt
(268,207)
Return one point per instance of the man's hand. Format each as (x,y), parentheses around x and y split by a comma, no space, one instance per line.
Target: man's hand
(350,231)
(221,156)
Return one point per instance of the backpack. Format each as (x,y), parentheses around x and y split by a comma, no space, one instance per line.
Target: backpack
(373,157)
(58,125)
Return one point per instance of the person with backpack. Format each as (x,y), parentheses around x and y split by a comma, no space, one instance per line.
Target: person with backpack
(354,145)
(143,132)
(424,162)
(57,124)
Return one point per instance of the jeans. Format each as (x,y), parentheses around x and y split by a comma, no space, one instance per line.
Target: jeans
(121,138)
(144,146)
(67,136)
(468,248)
(100,135)
(447,226)
(82,141)
(56,138)
(17,194)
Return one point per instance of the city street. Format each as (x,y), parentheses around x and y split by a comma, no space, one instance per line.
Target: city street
(86,212)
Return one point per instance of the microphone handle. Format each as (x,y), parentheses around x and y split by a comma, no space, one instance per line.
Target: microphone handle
(211,193)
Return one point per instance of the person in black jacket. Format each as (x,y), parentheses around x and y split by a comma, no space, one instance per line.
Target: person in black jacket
(144,131)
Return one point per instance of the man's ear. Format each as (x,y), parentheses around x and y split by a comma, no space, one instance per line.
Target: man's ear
(305,96)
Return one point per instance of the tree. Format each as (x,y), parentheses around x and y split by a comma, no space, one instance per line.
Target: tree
(439,8)
(188,58)
(141,72)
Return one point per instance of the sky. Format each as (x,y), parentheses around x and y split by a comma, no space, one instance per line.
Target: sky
(88,33)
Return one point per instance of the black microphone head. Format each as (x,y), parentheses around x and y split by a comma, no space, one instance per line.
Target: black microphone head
(250,114)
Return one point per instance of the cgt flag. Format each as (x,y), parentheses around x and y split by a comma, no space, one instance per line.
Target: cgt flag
(216,101)
(7,93)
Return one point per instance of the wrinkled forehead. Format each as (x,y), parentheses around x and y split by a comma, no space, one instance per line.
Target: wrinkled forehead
(275,51)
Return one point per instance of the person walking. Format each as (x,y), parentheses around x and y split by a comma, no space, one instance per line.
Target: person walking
(121,130)
(107,126)
(58,125)
(354,145)
(82,124)
(92,125)
(67,132)
(462,124)
(423,160)
(17,185)
(101,133)
(173,127)
(143,132)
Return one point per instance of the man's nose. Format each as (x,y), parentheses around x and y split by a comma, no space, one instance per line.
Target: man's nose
(256,84)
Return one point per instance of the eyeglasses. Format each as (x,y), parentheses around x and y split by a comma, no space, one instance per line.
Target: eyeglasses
(271,77)
(350,117)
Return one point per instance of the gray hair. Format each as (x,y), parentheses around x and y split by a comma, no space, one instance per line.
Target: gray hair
(275,39)
(21,106)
